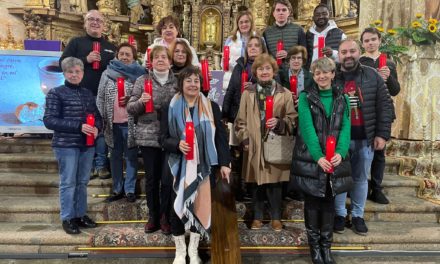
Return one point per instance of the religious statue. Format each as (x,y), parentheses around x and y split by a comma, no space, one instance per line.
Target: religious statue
(211,27)
(341,8)
(136,10)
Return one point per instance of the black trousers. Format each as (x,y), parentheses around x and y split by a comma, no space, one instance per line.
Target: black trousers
(177,227)
(273,192)
(158,187)
(324,204)
(377,170)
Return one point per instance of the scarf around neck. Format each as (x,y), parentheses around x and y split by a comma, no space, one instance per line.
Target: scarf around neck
(117,69)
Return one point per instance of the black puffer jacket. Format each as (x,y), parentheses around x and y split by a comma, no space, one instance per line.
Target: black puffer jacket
(66,109)
(231,101)
(306,173)
(376,104)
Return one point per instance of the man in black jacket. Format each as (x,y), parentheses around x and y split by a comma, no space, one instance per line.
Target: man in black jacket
(371,39)
(82,48)
(371,118)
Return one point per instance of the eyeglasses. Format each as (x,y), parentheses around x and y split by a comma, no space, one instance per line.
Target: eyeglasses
(94,19)
(296,58)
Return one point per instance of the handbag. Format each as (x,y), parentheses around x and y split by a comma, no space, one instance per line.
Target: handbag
(278,149)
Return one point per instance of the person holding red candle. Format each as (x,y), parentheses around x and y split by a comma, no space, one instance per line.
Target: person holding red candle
(323,113)
(325,28)
(67,108)
(82,48)
(194,177)
(371,40)
(231,102)
(147,135)
(251,127)
(119,130)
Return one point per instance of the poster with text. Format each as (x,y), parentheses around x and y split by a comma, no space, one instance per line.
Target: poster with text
(25,79)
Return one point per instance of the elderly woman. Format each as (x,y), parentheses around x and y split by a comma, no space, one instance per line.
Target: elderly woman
(66,110)
(119,125)
(182,56)
(169,29)
(323,111)
(297,58)
(193,178)
(251,127)
(147,134)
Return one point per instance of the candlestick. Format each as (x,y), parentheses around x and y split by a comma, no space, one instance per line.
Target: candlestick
(205,75)
(90,120)
(96,47)
(131,40)
(121,90)
(280,47)
(189,133)
(269,108)
(226,53)
(330,147)
(244,79)
(321,44)
(149,106)
(294,84)
(382,60)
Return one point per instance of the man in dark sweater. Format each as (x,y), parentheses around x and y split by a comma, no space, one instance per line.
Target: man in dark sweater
(371,118)
(371,39)
(323,26)
(291,34)
(82,48)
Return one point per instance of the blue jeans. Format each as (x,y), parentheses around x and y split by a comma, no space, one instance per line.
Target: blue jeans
(361,158)
(101,152)
(74,165)
(120,150)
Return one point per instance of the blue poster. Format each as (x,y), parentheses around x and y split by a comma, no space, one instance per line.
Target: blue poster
(25,79)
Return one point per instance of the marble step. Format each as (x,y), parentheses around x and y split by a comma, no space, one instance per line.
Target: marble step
(25,145)
(50,238)
(28,162)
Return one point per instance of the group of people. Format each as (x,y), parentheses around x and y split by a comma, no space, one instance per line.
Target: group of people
(181,133)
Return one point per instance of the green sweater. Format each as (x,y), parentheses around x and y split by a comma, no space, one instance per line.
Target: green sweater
(308,130)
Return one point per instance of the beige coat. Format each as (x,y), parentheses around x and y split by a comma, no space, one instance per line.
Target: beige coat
(247,127)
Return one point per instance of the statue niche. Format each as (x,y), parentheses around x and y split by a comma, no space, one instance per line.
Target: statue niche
(210,32)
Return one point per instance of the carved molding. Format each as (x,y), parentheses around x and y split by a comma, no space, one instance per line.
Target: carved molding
(34,25)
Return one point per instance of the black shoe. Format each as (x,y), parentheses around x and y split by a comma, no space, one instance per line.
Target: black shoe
(85,222)
(93,174)
(151,226)
(359,226)
(339,224)
(114,197)
(379,197)
(131,198)
(327,256)
(103,173)
(70,227)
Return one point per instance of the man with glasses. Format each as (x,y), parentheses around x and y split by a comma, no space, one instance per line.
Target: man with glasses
(290,33)
(82,48)
(323,26)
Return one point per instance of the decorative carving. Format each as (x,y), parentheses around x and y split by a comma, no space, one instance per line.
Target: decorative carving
(78,6)
(108,6)
(9,43)
(305,9)
(160,9)
(34,25)
(115,33)
(261,11)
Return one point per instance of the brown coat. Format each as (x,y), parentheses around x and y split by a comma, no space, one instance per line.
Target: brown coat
(247,127)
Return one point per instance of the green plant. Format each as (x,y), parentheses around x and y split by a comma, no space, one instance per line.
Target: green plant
(390,40)
(421,31)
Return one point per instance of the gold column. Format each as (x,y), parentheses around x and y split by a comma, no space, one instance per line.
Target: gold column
(261,11)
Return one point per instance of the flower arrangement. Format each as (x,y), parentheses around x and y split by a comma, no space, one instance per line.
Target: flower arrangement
(421,31)
(389,44)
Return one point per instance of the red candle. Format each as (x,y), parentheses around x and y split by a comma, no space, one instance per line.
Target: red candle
(294,84)
(96,47)
(382,60)
(131,40)
(226,53)
(269,107)
(244,78)
(121,89)
(90,139)
(280,46)
(330,147)
(205,75)
(189,132)
(147,61)
(321,44)
(149,106)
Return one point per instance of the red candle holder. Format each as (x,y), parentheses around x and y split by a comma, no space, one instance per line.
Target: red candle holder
(330,147)
(121,90)
(280,47)
(189,132)
(90,120)
(269,108)
(244,79)
(382,60)
(294,84)
(205,75)
(321,44)
(96,47)
(226,53)
(148,86)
